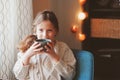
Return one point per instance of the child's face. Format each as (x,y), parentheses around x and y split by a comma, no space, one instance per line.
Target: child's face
(45,30)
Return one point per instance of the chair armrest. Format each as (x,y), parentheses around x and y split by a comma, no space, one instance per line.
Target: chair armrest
(84,65)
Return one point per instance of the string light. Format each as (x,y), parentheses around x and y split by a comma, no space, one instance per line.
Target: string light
(74,28)
(80,18)
(82,2)
(82,15)
(81,37)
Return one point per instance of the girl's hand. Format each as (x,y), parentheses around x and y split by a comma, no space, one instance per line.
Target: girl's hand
(34,49)
(49,48)
(51,52)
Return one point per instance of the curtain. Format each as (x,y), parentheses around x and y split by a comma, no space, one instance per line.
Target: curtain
(15,22)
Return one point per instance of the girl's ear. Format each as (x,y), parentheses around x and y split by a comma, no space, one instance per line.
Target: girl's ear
(56,33)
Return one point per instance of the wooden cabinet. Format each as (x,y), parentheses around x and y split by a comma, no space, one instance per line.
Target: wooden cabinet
(106,48)
(105,8)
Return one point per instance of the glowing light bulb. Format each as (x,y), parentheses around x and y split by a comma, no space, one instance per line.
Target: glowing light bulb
(82,2)
(82,15)
(81,37)
(74,28)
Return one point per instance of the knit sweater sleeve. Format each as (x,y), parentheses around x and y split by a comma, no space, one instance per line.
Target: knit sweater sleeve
(20,71)
(66,66)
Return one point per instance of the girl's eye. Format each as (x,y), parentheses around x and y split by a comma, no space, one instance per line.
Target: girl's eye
(40,30)
(49,30)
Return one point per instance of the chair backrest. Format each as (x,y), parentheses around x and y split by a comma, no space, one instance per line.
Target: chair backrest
(85,65)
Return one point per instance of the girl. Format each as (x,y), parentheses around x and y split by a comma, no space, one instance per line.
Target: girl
(57,62)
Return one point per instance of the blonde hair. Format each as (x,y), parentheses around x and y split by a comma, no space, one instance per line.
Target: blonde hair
(45,15)
(26,42)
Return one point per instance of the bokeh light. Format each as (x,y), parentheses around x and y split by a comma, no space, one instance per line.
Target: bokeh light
(81,36)
(74,28)
(82,2)
(82,15)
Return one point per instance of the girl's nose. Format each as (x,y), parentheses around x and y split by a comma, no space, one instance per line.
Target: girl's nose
(45,35)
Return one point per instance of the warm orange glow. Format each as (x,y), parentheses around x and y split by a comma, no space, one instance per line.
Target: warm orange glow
(81,37)
(82,15)
(82,2)
(74,28)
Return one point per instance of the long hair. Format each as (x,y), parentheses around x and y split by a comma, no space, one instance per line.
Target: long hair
(26,42)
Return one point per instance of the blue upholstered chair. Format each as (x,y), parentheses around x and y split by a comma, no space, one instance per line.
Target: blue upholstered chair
(85,65)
